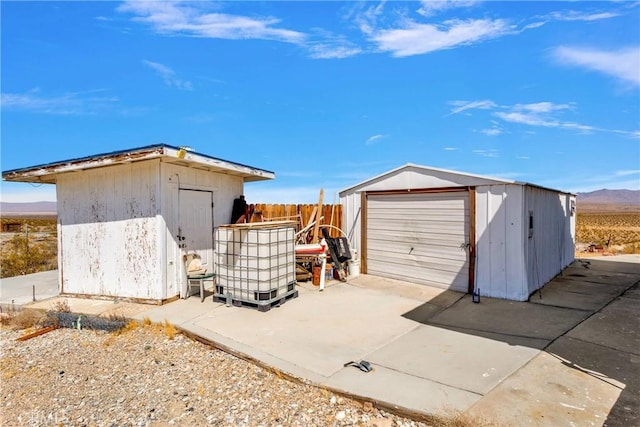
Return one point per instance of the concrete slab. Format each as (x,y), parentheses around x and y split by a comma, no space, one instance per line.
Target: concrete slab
(318,330)
(615,273)
(436,296)
(467,362)
(633,292)
(414,393)
(627,263)
(93,306)
(179,312)
(509,318)
(618,370)
(19,290)
(617,326)
(549,392)
(573,293)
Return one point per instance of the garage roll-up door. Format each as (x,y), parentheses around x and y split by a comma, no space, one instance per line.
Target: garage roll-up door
(419,238)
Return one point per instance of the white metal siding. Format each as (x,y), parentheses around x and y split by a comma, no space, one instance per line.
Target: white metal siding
(419,238)
(500,267)
(108,231)
(551,245)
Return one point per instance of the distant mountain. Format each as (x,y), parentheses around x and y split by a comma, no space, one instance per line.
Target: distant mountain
(28,208)
(610,197)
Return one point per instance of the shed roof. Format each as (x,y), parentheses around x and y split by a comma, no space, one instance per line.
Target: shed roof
(468,177)
(48,173)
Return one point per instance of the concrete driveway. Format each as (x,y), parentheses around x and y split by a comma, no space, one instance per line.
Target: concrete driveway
(21,290)
(570,356)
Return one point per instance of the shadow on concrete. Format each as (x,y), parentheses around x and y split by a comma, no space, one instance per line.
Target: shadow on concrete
(587,317)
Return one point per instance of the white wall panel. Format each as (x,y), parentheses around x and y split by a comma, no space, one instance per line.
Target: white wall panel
(499,252)
(225,188)
(108,222)
(549,248)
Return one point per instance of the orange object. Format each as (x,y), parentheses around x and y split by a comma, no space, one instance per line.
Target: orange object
(315,278)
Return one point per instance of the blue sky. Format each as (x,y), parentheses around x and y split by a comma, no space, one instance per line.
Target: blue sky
(327,94)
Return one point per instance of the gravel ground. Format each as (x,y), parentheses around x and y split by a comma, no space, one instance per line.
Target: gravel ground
(146,376)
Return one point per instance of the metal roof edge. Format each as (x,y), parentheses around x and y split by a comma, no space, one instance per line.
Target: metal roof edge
(427,168)
(104,156)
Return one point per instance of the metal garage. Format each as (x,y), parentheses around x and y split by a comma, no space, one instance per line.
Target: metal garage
(460,231)
(419,237)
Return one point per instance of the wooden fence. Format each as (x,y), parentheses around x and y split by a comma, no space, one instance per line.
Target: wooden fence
(332,215)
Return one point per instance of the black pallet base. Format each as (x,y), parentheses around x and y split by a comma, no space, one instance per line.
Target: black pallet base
(259,307)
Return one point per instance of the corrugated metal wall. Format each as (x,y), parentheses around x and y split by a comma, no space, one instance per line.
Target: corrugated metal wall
(500,264)
(550,244)
(108,228)
(509,264)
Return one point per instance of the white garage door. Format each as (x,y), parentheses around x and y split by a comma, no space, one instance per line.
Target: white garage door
(419,238)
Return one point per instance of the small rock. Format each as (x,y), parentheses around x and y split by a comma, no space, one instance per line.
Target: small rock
(340,416)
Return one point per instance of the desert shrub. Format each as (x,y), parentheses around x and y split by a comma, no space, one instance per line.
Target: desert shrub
(608,228)
(25,319)
(61,306)
(20,256)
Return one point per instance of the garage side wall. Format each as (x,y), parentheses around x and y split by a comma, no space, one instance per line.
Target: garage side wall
(108,224)
(550,234)
(500,264)
(225,188)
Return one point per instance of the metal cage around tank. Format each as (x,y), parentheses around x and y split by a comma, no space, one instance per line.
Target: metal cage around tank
(255,264)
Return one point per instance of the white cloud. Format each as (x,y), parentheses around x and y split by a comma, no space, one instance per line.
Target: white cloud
(542,114)
(525,118)
(415,38)
(538,115)
(461,106)
(431,7)
(450,149)
(175,18)
(573,15)
(523,157)
(491,132)
(325,50)
(375,138)
(627,172)
(487,153)
(623,64)
(70,103)
(168,75)
(542,107)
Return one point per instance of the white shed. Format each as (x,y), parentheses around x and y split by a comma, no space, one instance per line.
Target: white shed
(460,231)
(125,219)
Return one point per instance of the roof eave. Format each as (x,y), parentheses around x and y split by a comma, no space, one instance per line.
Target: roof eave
(412,165)
(48,173)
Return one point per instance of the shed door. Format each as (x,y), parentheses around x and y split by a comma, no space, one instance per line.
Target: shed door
(196,225)
(419,238)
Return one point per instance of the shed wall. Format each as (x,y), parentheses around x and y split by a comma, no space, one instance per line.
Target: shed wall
(225,188)
(500,263)
(108,221)
(550,245)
